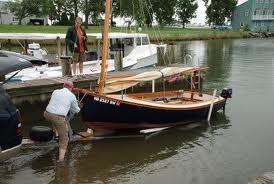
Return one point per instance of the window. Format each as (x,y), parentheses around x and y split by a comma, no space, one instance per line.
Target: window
(241,24)
(262,24)
(257,12)
(15,19)
(272,12)
(129,41)
(138,41)
(246,13)
(265,11)
(145,40)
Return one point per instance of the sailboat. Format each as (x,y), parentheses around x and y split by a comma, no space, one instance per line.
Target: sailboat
(103,110)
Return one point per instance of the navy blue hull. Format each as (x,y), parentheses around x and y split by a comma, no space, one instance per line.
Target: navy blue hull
(106,113)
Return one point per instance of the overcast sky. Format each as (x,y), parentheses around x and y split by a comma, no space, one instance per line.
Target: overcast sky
(200,19)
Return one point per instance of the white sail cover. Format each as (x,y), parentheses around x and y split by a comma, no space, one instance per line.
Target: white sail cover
(121,83)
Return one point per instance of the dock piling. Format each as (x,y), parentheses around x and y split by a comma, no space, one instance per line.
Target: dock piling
(59,49)
(65,63)
(118,60)
(161,56)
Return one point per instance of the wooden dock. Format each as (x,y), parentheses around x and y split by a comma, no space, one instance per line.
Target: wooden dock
(41,89)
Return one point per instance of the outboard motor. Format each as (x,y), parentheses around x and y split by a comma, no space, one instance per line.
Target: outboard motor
(226,93)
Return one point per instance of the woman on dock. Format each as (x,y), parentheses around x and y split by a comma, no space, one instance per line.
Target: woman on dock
(76,40)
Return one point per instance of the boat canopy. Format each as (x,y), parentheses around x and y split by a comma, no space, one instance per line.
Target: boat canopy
(51,36)
(31,36)
(120,83)
(118,35)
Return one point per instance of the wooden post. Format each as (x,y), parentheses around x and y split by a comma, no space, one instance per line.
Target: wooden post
(59,49)
(65,63)
(9,44)
(172,51)
(118,60)
(161,56)
(25,47)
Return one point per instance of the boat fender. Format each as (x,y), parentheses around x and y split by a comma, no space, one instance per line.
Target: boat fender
(41,134)
(226,93)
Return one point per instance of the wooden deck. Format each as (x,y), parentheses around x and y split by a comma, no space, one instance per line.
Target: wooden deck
(41,89)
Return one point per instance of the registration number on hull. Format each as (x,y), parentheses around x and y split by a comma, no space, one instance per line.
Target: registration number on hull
(106,101)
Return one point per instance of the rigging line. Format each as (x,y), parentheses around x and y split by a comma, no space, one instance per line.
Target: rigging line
(122,28)
(111,11)
(150,5)
(80,101)
(20,44)
(143,11)
(159,33)
(133,10)
(141,8)
(144,19)
(150,14)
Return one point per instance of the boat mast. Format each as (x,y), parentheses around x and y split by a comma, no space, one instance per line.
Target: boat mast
(104,49)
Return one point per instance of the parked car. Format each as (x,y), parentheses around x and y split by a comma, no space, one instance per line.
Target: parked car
(222,27)
(10,119)
(10,126)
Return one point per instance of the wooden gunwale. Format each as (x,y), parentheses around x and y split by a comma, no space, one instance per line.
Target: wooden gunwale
(152,104)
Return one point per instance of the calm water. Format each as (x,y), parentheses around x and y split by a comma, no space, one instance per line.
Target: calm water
(238,146)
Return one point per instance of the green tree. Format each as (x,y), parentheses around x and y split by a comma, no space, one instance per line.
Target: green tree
(25,8)
(127,8)
(185,10)
(218,11)
(140,11)
(59,7)
(50,10)
(164,11)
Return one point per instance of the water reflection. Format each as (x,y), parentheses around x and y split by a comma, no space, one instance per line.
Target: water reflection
(215,54)
(111,160)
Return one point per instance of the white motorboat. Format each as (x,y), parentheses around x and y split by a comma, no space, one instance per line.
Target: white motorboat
(136,49)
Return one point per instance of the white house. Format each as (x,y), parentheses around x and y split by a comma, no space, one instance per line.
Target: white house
(6,17)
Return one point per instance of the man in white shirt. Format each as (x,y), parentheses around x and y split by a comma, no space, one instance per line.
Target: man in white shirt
(62,101)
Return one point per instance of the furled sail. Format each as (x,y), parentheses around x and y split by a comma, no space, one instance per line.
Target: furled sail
(118,84)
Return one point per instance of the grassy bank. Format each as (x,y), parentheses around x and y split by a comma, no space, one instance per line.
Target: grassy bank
(155,33)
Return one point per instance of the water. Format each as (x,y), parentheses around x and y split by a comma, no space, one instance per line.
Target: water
(236,148)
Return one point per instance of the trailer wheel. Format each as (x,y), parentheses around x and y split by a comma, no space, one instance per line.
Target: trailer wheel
(41,134)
